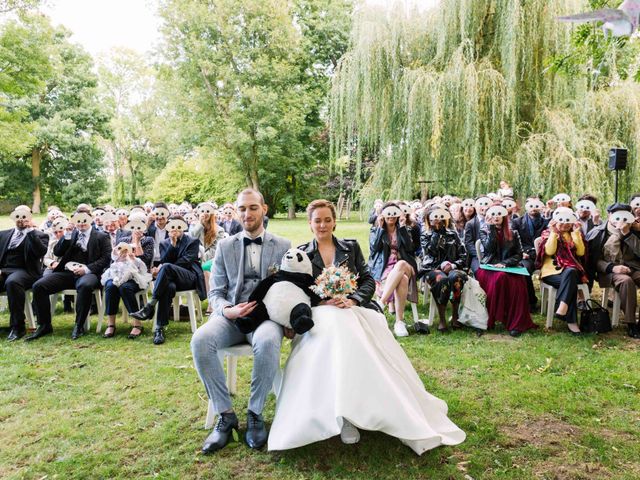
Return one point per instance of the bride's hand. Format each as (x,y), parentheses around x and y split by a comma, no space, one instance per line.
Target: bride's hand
(340,303)
(289,333)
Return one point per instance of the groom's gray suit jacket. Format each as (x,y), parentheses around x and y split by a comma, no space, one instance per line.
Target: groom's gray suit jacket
(227,273)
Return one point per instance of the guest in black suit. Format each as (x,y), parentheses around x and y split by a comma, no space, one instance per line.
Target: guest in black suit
(179,269)
(529,227)
(157,229)
(21,251)
(82,244)
(472,232)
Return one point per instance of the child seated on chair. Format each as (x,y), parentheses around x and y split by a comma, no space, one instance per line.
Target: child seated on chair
(126,276)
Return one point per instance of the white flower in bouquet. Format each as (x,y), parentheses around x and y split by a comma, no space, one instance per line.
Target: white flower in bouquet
(335,282)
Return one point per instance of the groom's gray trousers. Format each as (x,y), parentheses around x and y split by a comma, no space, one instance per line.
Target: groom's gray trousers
(220,333)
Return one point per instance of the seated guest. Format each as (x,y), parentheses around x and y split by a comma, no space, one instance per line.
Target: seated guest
(443,261)
(614,250)
(530,227)
(179,269)
(111,226)
(98,214)
(635,209)
(157,231)
(209,233)
(561,200)
(123,217)
(392,262)
(126,276)
(53,212)
(142,249)
(505,190)
(507,300)
(87,247)
(21,252)
(58,228)
(560,257)
(512,208)
(588,213)
(229,221)
(472,231)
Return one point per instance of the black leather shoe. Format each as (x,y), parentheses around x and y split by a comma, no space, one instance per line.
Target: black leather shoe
(256,436)
(16,334)
(515,333)
(158,336)
(41,331)
(222,433)
(78,331)
(421,328)
(145,313)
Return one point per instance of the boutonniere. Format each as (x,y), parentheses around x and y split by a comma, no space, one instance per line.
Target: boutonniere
(273,268)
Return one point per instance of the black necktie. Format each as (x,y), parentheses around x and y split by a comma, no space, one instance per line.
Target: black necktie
(249,241)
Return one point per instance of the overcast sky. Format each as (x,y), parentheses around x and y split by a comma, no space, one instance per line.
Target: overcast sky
(100,25)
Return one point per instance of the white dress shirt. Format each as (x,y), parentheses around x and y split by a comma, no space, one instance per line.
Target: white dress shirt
(254,252)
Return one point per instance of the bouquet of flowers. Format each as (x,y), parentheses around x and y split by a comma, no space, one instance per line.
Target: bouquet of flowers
(335,282)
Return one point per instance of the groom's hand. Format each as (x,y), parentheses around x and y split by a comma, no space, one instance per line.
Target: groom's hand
(240,310)
(289,333)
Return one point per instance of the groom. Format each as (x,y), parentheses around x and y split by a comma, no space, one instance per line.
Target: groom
(241,261)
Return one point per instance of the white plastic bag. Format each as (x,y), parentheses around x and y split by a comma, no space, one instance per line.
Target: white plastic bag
(473,309)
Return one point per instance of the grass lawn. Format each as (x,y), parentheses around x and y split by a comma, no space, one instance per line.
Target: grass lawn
(545,405)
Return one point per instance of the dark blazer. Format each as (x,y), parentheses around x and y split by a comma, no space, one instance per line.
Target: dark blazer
(521,225)
(147,244)
(471,234)
(509,254)
(380,249)
(349,254)
(186,255)
(36,245)
(235,227)
(442,246)
(98,251)
(151,231)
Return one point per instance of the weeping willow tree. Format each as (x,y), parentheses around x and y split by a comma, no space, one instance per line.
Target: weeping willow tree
(464,93)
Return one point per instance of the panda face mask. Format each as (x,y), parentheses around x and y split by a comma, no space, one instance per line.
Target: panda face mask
(561,198)
(22,217)
(296,261)
(635,203)
(59,224)
(439,215)
(534,206)
(136,226)
(495,213)
(564,216)
(621,217)
(482,204)
(508,203)
(206,208)
(81,220)
(406,209)
(391,212)
(469,203)
(177,224)
(586,206)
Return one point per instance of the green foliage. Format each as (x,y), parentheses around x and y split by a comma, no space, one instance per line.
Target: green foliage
(253,78)
(463,94)
(203,177)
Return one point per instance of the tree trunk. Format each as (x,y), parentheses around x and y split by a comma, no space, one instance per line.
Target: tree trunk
(292,199)
(253,169)
(133,193)
(36,158)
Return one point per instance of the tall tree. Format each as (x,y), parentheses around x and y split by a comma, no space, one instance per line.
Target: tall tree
(253,82)
(65,159)
(464,93)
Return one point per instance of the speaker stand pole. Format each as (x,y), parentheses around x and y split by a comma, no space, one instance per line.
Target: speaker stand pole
(616,187)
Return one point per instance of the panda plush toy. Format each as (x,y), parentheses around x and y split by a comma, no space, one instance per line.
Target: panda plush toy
(284,297)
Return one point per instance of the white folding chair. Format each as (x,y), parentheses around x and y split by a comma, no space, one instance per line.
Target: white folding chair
(550,305)
(231,354)
(73,293)
(28,308)
(193,304)
(615,312)
(141,296)
(432,302)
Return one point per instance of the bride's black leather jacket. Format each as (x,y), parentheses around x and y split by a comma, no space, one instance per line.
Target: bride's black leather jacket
(349,254)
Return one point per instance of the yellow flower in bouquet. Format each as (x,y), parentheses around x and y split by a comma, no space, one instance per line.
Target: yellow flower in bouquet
(335,282)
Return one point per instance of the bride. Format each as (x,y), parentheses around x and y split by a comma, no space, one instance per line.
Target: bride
(348,372)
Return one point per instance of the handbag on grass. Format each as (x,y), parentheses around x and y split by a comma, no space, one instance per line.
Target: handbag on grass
(594,318)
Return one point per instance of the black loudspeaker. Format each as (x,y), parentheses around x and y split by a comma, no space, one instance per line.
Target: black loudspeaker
(618,158)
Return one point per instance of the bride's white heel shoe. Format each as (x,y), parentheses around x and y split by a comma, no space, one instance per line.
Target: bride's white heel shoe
(349,434)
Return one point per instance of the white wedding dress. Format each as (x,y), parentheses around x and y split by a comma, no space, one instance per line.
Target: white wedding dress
(349,366)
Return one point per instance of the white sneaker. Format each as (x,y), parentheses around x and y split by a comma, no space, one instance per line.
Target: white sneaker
(400,329)
(349,434)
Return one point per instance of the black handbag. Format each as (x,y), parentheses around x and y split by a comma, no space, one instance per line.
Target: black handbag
(594,318)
